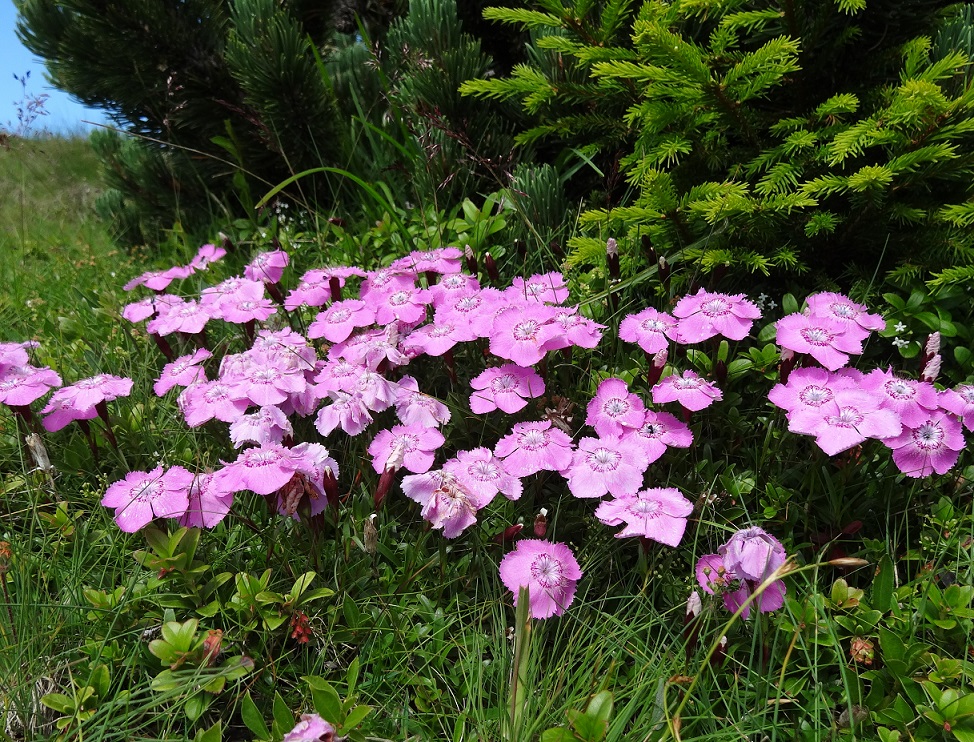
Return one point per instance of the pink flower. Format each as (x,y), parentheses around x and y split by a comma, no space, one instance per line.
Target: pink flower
(268,425)
(207,505)
(213,296)
(139,310)
(435,339)
(347,411)
(548,570)
(306,492)
(484,475)
(533,447)
(382,283)
(960,401)
(549,288)
(21,385)
(204,401)
(652,330)
(451,288)
(692,392)
(519,333)
(267,267)
(179,316)
(205,255)
(753,554)
(475,312)
(141,496)
(262,470)
(714,577)
(614,409)
(77,401)
(824,339)
(845,421)
(809,389)
(911,400)
(506,387)
(245,306)
(933,445)
(843,309)
(574,329)
(447,503)
(314,290)
(159,280)
(605,466)
(659,431)
(412,445)
(406,305)
(15,354)
(707,314)
(311,728)
(184,371)
(437,260)
(659,514)
(415,408)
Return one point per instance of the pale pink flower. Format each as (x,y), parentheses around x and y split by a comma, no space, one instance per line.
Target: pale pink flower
(659,514)
(605,466)
(415,408)
(139,310)
(142,496)
(808,389)
(911,400)
(484,474)
(438,260)
(382,283)
(347,411)
(159,280)
(548,570)
(689,389)
(707,314)
(245,307)
(574,329)
(313,290)
(843,309)
(311,728)
(338,321)
(205,400)
(933,445)
(452,287)
(413,445)
(376,391)
(652,330)
(823,338)
(753,554)
(714,577)
(851,416)
(179,316)
(475,312)
(659,431)
(549,288)
(21,385)
(435,339)
(519,333)
(447,503)
(207,254)
(338,375)
(406,305)
(614,409)
(267,267)
(262,470)
(268,425)
(184,371)
(506,387)
(207,505)
(534,447)
(960,401)
(15,354)
(77,401)
(306,492)
(212,296)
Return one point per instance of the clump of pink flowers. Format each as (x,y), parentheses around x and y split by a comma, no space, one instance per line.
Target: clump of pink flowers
(749,558)
(548,570)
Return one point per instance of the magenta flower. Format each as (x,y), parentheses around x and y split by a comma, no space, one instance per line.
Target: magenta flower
(15,354)
(438,260)
(845,421)
(205,255)
(843,309)
(204,401)
(824,339)
(934,445)
(207,505)
(338,322)
(714,577)
(484,475)
(506,387)
(533,447)
(306,493)
(605,466)
(22,384)
(415,408)
(311,728)
(435,339)
(407,305)
(77,402)
(179,316)
(519,333)
(652,330)
(659,514)
(347,411)
(384,282)
(410,446)
(184,371)
(452,288)
(267,267)
(268,425)
(262,470)
(549,288)
(707,314)
(245,306)
(141,496)
(614,409)
(159,280)
(960,401)
(213,296)
(139,310)
(548,570)
(313,290)
(690,390)
(447,503)
(659,431)
(475,312)
(574,329)
(809,389)
(753,554)
(912,401)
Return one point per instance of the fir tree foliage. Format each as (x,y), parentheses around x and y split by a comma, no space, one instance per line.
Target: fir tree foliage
(772,137)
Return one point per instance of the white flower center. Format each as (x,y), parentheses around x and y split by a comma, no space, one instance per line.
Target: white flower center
(929,436)
(533,440)
(900,389)
(816,335)
(547,571)
(715,307)
(603,460)
(815,396)
(848,417)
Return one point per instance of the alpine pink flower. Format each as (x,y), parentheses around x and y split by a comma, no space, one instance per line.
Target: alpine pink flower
(207,505)
(845,421)
(262,470)
(407,305)
(142,496)
(659,514)
(311,728)
(519,333)
(179,316)
(549,288)
(823,338)
(842,309)
(689,389)
(574,329)
(184,371)
(484,474)
(707,314)
(911,400)
(506,387)
(21,385)
(960,401)
(338,321)
(753,554)
(651,329)
(139,310)
(659,431)
(207,254)
(268,425)
(614,409)
(933,445)
(205,400)
(605,466)
(347,411)
(447,503)
(533,447)
(412,444)
(415,408)
(77,401)
(714,577)
(267,267)
(548,570)
(808,389)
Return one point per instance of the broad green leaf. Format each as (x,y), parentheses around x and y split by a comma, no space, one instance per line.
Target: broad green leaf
(252,717)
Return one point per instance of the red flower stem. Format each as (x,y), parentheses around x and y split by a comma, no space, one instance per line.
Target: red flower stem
(86,429)
(102,409)
(335,285)
(163,346)
(451,368)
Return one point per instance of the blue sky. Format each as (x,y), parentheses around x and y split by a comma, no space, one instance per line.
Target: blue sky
(64,113)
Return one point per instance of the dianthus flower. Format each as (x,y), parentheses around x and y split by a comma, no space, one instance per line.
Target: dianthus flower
(475,312)
(650,329)
(823,338)
(659,431)
(311,728)
(346,411)
(690,390)
(452,288)
(714,577)
(548,570)
(213,296)
(549,288)
(574,329)
(438,260)
(484,474)
(205,400)
(262,470)
(659,514)
(846,420)
(306,492)
(707,314)
(753,554)
(506,387)
(267,267)
(207,254)
(614,409)
(912,401)
(184,371)
(141,496)
(519,333)
(534,446)
(842,309)
(207,505)
(605,466)
(960,401)
(750,557)
(21,385)
(159,280)
(382,283)
(808,389)
(411,444)
(77,401)
(447,503)
(179,316)
(435,339)
(15,354)
(268,425)
(313,290)
(933,445)
(415,408)
(406,305)
(248,305)
(139,310)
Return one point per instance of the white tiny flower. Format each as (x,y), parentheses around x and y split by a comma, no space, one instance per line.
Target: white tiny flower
(900,342)
(899,327)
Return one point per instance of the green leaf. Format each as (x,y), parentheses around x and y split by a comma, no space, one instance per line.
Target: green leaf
(283,717)
(558,734)
(59,702)
(355,717)
(213,734)
(351,676)
(196,705)
(252,717)
(327,702)
(100,680)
